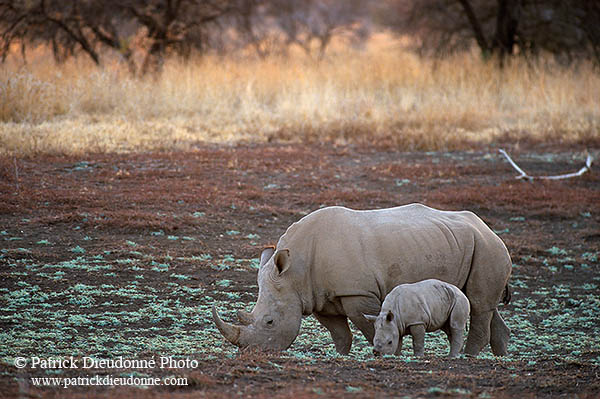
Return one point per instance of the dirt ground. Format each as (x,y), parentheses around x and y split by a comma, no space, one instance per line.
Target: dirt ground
(123,255)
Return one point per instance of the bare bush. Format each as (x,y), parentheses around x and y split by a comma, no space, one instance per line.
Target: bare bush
(272,26)
(154,28)
(567,29)
(312,24)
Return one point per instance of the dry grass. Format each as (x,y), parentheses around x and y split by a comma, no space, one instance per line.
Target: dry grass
(381,94)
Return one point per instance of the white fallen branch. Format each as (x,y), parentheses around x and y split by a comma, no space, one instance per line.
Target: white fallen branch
(523,175)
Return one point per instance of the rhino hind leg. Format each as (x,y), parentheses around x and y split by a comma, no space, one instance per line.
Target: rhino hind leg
(339,330)
(499,335)
(455,327)
(479,332)
(456,341)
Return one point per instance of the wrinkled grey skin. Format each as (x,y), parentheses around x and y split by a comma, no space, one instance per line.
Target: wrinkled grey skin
(414,309)
(275,321)
(338,264)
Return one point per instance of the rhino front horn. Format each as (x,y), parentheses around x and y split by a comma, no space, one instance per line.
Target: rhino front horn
(229,331)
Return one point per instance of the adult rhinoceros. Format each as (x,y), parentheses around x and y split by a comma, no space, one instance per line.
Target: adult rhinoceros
(338,263)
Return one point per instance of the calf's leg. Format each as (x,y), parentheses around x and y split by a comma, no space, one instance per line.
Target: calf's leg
(455,337)
(418,335)
(456,341)
(455,327)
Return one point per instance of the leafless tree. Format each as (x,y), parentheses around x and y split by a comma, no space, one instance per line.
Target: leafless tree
(500,28)
(312,24)
(275,25)
(58,23)
(163,27)
(569,28)
(255,26)
(174,25)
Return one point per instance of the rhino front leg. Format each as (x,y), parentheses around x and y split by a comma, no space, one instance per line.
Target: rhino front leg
(499,335)
(399,349)
(339,330)
(418,336)
(356,307)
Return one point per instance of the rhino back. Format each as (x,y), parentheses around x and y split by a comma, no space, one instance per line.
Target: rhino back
(343,252)
(429,302)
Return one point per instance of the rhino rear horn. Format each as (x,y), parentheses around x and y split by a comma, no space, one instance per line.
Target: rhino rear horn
(245,317)
(230,332)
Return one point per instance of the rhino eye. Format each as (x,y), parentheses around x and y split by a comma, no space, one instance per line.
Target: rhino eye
(269,322)
(390,342)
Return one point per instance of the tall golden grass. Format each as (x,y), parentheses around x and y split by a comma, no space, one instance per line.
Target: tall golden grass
(381,94)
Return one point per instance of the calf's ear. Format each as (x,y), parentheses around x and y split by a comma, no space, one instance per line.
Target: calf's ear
(370,317)
(389,316)
(282,260)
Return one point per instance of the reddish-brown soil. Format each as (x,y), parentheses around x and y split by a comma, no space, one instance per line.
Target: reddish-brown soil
(262,189)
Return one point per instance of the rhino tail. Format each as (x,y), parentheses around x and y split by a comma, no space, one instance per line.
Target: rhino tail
(506,295)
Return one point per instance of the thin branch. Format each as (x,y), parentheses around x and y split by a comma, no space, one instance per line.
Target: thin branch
(80,39)
(16,174)
(523,175)
(475,25)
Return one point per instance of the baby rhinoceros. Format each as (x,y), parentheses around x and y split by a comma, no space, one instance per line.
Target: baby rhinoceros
(414,309)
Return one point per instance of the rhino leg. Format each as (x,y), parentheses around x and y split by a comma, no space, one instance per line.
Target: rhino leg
(339,330)
(356,307)
(479,332)
(446,328)
(455,327)
(418,336)
(484,289)
(499,335)
(455,337)
(399,349)
(456,341)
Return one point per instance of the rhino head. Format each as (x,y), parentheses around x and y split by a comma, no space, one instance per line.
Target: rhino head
(275,320)
(387,336)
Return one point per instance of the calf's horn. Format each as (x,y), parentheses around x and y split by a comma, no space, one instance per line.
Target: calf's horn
(229,331)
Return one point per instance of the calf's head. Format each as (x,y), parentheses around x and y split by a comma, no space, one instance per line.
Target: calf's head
(387,335)
(275,320)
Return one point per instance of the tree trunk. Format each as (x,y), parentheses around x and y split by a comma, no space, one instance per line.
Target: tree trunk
(507,21)
(476,27)
(154,59)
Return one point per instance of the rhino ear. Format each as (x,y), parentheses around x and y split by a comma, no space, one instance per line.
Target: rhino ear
(389,316)
(370,317)
(266,255)
(282,260)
